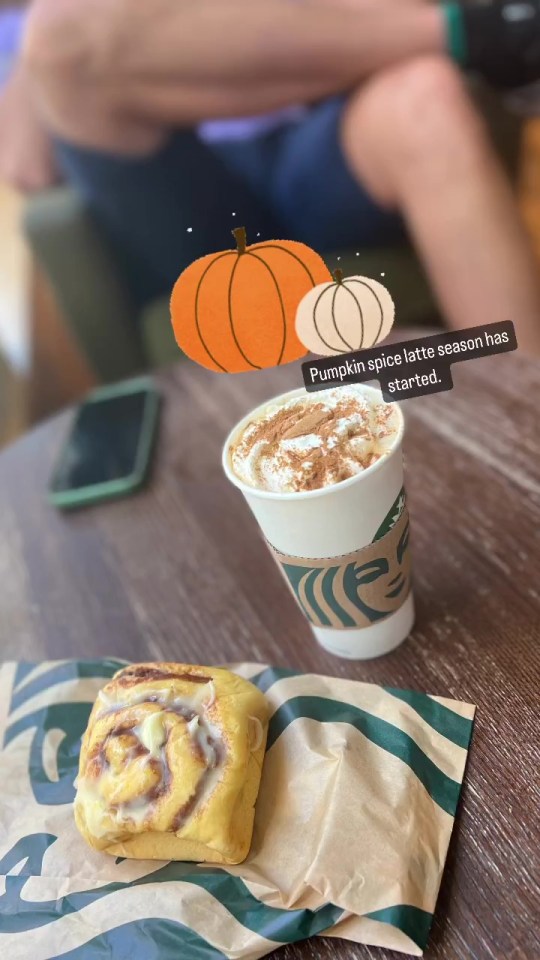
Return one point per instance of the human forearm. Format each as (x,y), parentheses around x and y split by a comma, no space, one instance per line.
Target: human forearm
(236,41)
(278,54)
(178,62)
(26,156)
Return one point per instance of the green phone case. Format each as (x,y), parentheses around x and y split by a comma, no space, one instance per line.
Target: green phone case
(121,487)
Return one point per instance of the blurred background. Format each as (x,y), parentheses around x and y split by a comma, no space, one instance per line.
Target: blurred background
(41,366)
(57,276)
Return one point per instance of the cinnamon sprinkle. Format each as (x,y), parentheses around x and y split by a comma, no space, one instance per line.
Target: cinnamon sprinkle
(131,676)
(338,451)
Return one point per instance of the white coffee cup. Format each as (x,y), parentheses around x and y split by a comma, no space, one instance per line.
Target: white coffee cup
(327,526)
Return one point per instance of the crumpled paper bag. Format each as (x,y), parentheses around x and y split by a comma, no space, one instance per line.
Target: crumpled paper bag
(357,802)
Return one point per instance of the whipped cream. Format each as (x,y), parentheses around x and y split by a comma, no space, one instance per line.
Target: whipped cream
(314,440)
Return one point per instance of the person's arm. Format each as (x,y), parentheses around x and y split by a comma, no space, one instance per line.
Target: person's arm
(26,161)
(26,154)
(181,61)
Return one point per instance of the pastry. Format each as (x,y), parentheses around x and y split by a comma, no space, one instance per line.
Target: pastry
(171,763)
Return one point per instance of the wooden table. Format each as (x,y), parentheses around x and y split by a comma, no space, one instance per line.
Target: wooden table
(180,573)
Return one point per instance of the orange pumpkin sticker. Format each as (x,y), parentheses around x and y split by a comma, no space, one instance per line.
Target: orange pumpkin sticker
(235,310)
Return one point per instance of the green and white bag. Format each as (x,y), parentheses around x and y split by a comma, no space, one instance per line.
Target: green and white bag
(357,803)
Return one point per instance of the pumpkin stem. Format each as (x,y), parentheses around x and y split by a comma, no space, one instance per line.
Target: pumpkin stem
(338,275)
(239,234)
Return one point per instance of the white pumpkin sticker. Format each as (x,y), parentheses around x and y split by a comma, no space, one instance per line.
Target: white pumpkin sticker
(352,313)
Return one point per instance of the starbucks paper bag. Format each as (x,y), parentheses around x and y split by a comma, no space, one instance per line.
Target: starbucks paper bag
(356,807)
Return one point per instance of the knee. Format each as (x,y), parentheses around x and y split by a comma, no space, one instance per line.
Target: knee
(417,98)
(424,85)
(405,115)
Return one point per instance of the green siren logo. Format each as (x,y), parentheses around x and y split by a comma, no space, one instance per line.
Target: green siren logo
(360,588)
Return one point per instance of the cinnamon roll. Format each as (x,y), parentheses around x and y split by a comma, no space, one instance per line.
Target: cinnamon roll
(170,764)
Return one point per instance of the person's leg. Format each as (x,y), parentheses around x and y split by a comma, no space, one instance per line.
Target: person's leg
(414,139)
(299,170)
(164,207)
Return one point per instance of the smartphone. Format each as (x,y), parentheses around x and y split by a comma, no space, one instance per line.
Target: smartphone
(108,450)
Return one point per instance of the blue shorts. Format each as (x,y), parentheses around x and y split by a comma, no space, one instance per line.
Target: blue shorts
(163,211)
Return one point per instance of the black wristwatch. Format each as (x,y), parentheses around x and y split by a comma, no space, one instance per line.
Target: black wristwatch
(499,39)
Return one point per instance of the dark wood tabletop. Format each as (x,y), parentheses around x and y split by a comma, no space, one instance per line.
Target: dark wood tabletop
(180,572)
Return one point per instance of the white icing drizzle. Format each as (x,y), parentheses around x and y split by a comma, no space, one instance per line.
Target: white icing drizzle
(212,699)
(96,809)
(202,698)
(204,736)
(133,811)
(151,733)
(259,733)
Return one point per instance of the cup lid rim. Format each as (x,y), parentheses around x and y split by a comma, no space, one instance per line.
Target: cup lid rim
(246,488)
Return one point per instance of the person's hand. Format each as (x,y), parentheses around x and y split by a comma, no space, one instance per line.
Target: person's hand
(26,154)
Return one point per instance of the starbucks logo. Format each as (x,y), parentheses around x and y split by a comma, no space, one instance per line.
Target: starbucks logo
(360,588)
